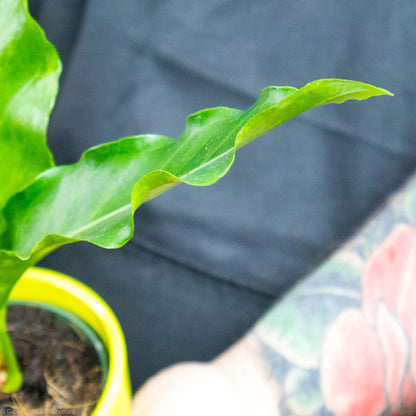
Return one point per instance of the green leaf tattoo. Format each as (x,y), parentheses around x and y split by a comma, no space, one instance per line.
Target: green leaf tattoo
(292,330)
(94,199)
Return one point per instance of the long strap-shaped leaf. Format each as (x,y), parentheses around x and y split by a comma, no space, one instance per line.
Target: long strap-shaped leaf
(29,72)
(94,199)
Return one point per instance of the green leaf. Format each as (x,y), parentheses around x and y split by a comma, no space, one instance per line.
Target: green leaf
(29,72)
(94,199)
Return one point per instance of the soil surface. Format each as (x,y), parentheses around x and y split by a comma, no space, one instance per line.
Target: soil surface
(61,370)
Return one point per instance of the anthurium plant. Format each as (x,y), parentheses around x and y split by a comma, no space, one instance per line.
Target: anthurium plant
(43,206)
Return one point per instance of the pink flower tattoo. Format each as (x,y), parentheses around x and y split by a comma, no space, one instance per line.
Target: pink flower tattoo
(369,354)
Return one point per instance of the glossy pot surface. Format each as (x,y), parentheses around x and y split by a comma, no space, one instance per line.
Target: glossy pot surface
(56,289)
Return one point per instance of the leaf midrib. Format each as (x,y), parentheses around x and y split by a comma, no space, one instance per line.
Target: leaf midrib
(127,207)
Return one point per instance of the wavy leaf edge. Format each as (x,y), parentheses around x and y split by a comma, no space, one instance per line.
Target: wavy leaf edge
(47,80)
(140,193)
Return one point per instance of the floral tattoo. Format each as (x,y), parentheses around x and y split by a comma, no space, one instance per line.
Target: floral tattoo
(343,342)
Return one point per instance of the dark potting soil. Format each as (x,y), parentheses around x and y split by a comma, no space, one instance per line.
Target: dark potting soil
(61,369)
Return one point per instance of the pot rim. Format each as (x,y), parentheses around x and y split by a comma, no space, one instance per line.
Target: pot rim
(57,289)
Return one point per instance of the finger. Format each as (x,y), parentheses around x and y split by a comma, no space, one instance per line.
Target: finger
(188,389)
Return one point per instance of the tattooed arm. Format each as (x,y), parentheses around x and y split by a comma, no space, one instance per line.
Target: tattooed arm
(341,342)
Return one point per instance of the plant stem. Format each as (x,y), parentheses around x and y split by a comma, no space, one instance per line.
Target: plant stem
(10,375)
(11,269)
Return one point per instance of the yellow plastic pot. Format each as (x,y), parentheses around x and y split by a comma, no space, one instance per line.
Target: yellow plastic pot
(56,289)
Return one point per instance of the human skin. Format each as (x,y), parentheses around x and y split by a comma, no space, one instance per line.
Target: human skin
(341,342)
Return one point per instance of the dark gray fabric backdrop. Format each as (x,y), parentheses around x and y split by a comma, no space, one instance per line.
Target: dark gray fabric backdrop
(206,262)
